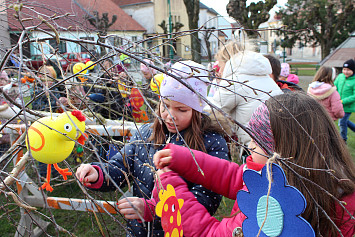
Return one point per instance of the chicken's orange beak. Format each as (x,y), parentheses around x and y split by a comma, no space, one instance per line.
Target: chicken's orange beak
(82,138)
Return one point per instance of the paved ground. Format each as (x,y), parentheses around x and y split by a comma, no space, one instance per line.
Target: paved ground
(305,81)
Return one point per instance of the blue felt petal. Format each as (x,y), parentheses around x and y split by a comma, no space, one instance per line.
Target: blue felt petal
(298,225)
(254,181)
(251,228)
(97,97)
(286,203)
(245,197)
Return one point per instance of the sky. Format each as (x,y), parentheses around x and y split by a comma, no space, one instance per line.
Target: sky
(220,5)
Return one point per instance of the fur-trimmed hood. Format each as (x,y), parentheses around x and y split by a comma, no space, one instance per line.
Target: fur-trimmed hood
(320,90)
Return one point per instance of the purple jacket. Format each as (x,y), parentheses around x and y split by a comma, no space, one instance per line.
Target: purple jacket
(328,96)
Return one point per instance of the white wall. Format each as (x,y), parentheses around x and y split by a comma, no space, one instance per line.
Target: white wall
(74,47)
(208,20)
(71,47)
(4,33)
(143,14)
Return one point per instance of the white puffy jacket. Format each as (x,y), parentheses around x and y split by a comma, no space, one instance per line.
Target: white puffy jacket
(246,70)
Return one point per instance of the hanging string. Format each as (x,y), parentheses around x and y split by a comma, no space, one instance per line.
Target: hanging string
(269,177)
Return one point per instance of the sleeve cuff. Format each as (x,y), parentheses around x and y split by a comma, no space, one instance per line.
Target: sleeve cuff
(100,180)
(149,209)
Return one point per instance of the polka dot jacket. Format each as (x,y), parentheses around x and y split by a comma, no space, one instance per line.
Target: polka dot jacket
(140,151)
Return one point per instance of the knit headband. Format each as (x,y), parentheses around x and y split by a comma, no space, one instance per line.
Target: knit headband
(260,127)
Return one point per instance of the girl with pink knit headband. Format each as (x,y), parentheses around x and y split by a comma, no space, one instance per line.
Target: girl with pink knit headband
(316,162)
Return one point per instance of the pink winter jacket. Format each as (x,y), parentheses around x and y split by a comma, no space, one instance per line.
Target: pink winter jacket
(223,177)
(328,96)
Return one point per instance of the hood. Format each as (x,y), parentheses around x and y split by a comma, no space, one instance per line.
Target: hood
(320,90)
(247,63)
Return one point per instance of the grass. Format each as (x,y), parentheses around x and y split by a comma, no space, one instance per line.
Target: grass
(304,69)
(351,137)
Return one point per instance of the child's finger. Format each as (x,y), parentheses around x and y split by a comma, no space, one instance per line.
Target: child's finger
(160,154)
(164,162)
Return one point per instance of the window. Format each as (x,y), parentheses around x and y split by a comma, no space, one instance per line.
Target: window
(62,46)
(117,41)
(134,38)
(87,47)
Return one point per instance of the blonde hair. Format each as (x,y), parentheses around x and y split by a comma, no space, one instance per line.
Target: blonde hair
(232,47)
(49,71)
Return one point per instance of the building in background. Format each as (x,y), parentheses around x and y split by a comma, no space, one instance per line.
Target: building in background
(73,26)
(4,32)
(270,42)
(342,53)
(154,16)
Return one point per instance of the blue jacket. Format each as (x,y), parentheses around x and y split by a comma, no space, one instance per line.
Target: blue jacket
(138,152)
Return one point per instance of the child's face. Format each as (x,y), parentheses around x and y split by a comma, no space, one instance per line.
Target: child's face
(147,75)
(181,113)
(257,158)
(347,72)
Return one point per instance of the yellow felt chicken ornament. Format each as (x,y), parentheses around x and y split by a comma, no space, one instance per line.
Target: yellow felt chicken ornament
(52,140)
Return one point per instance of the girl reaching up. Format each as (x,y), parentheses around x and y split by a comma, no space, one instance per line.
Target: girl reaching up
(297,128)
(181,122)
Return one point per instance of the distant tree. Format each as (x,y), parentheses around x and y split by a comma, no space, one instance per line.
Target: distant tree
(250,17)
(193,11)
(165,26)
(102,25)
(318,22)
(206,36)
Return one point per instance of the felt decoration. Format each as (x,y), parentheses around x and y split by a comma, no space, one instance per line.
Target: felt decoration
(52,140)
(138,107)
(123,88)
(279,213)
(27,79)
(77,68)
(79,153)
(168,208)
(97,97)
(136,99)
(91,64)
(156,82)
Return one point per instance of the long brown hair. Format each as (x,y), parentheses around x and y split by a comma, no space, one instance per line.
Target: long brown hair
(324,74)
(333,156)
(193,135)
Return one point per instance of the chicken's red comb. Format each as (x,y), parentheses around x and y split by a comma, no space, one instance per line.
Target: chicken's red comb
(78,115)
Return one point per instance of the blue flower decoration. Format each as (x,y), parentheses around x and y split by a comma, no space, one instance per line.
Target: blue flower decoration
(285,205)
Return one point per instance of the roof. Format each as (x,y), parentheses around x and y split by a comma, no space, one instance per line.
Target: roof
(76,10)
(124,22)
(129,2)
(342,53)
(203,6)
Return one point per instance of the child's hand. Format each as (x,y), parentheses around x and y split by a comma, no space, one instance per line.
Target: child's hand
(126,208)
(87,174)
(162,171)
(162,158)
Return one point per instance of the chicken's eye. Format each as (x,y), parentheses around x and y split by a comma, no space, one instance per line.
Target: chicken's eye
(67,127)
(173,208)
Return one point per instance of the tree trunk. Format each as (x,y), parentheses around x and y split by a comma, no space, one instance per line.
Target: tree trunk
(193,11)
(325,47)
(208,48)
(195,48)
